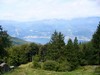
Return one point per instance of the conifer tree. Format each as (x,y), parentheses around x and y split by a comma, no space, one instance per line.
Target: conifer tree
(77,50)
(96,38)
(71,54)
(96,42)
(4,42)
(56,45)
(76,46)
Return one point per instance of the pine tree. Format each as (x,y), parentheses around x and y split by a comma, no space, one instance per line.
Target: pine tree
(55,46)
(96,41)
(69,50)
(4,42)
(58,39)
(76,46)
(77,49)
(70,44)
(96,38)
(71,54)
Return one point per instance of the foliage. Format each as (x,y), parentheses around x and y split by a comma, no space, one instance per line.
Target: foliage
(64,66)
(43,52)
(55,46)
(96,42)
(4,42)
(50,65)
(16,56)
(72,54)
(21,54)
(36,58)
(34,50)
(96,38)
(36,64)
(97,70)
(28,70)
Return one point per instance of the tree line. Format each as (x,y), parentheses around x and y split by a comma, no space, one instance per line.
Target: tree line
(55,55)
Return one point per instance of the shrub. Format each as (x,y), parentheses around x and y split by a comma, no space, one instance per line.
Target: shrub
(36,58)
(50,65)
(72,67)
(65,66)
(97,70)
(35,61)
(36,64)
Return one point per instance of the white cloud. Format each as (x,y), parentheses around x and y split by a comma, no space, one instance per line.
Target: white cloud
(37,37)
(82,38)
(48,9)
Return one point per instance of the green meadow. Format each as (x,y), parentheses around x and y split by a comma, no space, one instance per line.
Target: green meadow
(27,69)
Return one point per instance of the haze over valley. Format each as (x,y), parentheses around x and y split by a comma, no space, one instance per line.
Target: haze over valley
(40,31)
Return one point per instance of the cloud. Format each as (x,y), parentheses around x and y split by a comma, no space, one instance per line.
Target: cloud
(48,9)
(80,38)
(37,37)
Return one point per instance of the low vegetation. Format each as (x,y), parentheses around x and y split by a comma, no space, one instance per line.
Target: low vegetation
(50,65)
(27,69)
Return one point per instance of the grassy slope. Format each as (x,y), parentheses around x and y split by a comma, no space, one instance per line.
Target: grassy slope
(17,41)
(26,69)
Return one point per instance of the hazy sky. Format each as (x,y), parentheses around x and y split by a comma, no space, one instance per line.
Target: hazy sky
(23,10)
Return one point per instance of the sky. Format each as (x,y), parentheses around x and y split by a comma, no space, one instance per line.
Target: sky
(26,10)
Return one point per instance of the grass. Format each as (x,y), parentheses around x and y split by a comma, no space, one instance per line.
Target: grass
(26,69)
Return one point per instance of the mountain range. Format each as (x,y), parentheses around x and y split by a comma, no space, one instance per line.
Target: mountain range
(40,31)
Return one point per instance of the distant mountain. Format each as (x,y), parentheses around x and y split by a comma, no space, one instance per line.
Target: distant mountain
(40,31)
(17,41)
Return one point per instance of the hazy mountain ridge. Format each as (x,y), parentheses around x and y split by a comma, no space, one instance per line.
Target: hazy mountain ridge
(40,31)
(17,41)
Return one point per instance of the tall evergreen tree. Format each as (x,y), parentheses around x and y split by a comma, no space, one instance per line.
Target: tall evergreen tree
(96,41)
(58,39)
(70,44)
(4,42)
(96,38)
(76,46)
(69,50)
(77,49)
(71,54)
(55,46)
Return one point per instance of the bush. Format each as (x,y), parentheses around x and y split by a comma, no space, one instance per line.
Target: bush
(72,67)
(50,65)
(36,58)
(65,66)
(97,70)
(36,64)
(35,61)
